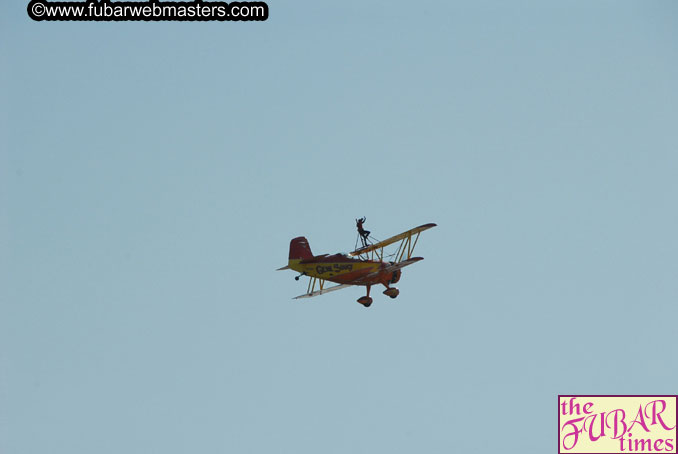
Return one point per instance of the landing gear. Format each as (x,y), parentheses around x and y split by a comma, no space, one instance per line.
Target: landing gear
(296,278)
(366,300)
(392,292)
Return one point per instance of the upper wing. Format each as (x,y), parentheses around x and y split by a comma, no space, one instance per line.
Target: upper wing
(391,240)
(408,240)
(322,291)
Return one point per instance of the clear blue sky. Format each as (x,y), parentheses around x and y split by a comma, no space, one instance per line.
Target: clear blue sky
(152,175)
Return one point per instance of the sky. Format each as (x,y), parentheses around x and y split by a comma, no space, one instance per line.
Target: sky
(152,175)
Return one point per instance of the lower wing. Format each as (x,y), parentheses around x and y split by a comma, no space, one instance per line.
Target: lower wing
(389,269)
(323,291)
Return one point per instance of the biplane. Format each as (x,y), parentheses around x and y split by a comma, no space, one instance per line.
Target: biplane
(366,266)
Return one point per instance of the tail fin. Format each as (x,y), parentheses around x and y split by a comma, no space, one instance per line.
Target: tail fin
(299,249)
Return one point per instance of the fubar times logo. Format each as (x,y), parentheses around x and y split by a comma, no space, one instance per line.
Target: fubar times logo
(598,424)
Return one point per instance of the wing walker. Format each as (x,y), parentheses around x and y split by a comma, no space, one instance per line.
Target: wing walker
(366,266)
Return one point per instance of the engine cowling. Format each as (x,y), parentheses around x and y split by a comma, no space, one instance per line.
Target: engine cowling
(395,277)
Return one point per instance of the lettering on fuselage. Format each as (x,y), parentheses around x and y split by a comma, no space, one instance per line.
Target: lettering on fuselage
(334,268)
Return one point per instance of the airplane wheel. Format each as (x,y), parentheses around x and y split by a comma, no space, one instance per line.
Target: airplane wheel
(392,292)
(365,301)
(296,278)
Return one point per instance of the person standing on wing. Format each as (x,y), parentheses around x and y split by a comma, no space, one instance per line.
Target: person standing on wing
(364,234)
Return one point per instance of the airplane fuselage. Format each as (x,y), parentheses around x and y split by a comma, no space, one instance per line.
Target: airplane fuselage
(342,270)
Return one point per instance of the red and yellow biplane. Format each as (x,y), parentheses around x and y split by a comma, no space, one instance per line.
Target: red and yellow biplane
(364,266)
